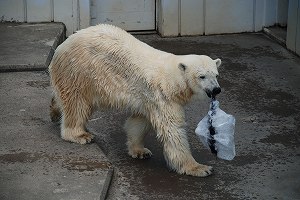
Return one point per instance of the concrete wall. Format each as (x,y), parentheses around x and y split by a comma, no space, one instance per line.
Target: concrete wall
(190,12)
(168,17)
(228,16)
(38,10)
(13,10)
(75,14)
(198,17)
(131,15)
(174,17)
(293,28)
(270,12)
(282,14)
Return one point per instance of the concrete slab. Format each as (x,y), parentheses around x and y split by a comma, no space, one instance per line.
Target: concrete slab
(35,163)
(26,47)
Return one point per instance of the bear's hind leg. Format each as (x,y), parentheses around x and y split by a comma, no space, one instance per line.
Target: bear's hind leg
(75,116)
(55,112)
(136,127)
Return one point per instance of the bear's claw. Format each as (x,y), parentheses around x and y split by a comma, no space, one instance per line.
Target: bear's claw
(200,170)
(84,138)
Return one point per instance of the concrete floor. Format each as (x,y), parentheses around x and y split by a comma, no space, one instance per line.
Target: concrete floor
(261,88)
(35,163)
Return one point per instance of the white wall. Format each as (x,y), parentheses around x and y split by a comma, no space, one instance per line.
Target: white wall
(39,11)
(67,12)
(192,17)
(282,14)
(168,17)
(12,10)
(84,14)
(130,15)
(293,28)
(75,14)
(198,17)
(228,16)
(270,12)
(174,17)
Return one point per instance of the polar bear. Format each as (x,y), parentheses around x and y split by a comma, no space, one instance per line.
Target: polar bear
(104,66)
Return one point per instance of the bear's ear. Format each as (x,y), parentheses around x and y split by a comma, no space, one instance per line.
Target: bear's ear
(182,67)
(218,62)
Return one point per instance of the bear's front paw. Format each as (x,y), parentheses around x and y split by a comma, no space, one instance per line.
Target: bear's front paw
(141,153)
(199,170)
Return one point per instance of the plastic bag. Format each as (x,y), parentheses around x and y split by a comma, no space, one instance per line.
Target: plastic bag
(216,132)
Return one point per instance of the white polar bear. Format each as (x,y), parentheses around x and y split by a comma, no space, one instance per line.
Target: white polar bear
(104,66)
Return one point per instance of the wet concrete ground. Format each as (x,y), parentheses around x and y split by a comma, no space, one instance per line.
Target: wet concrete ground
(35,163)
(261,88)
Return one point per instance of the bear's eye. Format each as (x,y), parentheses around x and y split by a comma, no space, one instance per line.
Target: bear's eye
(202,77)
(217,76)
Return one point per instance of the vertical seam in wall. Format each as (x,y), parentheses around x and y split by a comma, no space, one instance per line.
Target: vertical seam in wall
(92,12)
(254,15)
(204,16)
(52,10)
(78,16)
(25,10)
(276,12)
(297,25)
(179,17)
(155,15)
(73,24)
(264,14)
(75,16)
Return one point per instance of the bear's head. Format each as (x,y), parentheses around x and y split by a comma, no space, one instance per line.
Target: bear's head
(201,73)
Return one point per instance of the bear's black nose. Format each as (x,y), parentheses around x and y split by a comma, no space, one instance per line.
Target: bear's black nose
(216,90)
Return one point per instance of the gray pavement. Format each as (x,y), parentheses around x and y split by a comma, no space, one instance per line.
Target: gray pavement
(35,163)
(261,88)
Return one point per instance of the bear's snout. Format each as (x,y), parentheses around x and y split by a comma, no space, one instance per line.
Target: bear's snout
(214,92)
